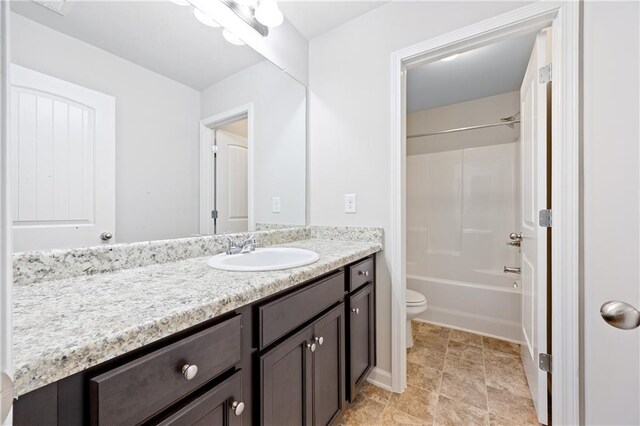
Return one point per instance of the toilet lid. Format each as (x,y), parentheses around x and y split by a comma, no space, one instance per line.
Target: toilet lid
(415,298)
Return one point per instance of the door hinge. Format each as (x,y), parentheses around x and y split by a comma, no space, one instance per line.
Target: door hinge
(214,149)
(545,74)
(214,214)
(545,362)
(545,218)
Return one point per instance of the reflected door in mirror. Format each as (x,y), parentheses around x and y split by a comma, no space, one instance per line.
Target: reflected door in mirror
(63,148)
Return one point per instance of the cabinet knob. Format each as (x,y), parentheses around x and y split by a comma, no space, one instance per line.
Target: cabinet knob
(189,371)
(237,407)
(355,310)
(320,340)
(311,346)
(106,236)
(365,273)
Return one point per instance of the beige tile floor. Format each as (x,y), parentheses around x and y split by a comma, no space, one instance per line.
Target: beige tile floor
(453,378)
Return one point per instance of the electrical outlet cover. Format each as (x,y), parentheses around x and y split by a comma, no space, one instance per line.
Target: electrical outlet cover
(275,205)
(349,203)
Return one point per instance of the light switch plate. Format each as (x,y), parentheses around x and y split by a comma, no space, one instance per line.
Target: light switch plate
(349,203)
(275,205)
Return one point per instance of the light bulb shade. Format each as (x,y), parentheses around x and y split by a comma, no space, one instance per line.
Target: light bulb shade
(205,19)
(180,2)
(267,13)
(247,3)
(232,38)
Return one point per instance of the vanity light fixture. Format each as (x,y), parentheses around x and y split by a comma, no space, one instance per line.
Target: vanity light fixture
(259,14)
(205,19)
(268,13)
(450,58)
(232,38)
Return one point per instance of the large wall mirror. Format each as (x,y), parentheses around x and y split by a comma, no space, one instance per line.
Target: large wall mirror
(137,120)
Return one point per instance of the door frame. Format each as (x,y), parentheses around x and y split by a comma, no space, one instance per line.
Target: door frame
(6,221)
(206,200)
(564,18)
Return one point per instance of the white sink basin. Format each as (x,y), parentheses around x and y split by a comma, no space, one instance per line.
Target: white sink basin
(264,259)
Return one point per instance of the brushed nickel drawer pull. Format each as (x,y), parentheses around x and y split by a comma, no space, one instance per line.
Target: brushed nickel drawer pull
(355,310)
(320,340)
(365,273)
(311,346)
(189,371)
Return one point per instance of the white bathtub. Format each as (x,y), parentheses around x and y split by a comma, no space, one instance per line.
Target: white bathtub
(490,309)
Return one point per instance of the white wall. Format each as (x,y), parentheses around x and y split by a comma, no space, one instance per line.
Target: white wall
(611,197)
(156,129)
(279,145)
(349,116)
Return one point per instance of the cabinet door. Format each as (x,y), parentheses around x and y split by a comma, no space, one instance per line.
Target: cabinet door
(328,366)
(361,337)
(286,381)
(220,406)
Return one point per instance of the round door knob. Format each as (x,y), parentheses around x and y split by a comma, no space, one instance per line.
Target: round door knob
(355,310)
(311,346)
(515,236)
(106,236)
(620,315)
(237,407)
(320,340)
(189,371)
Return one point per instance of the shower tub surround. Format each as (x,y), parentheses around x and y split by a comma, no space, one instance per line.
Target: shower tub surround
(76,308)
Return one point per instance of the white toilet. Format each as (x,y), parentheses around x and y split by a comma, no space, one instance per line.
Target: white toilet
(416,304)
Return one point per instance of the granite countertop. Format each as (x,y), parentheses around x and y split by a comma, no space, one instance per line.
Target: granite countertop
(65,326)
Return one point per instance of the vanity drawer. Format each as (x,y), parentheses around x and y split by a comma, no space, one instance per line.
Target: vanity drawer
(360,274)
(220,406)
(286,313)
(139,389)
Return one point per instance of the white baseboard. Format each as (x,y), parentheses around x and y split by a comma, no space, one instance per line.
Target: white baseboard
(380,378)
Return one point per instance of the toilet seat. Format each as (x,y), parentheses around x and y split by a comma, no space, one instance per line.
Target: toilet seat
(415,299)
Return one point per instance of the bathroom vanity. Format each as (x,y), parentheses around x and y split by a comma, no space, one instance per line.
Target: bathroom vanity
(294,352)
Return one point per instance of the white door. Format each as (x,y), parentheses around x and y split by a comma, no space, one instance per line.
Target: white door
(533,107)
(232,179)
(63,162)
(611,226)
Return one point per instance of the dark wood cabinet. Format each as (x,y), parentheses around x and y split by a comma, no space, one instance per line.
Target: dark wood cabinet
(220,406)
(293,358)
(142,388)
(303,376)
(361,353)
(329,366)
(286,381)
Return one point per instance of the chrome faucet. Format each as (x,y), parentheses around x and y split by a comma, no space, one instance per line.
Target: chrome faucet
(246,246)
(249,245)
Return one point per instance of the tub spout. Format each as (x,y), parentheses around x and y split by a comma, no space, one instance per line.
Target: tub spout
(512,269)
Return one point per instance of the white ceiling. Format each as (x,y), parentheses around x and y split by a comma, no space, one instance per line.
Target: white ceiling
(316,17)
(157,35)
(486,71)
